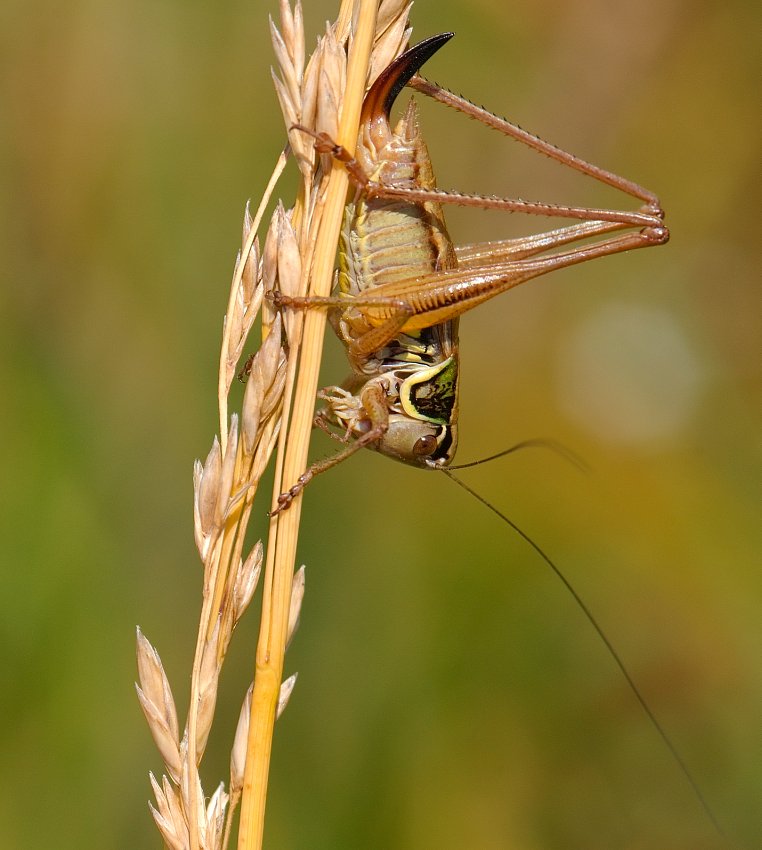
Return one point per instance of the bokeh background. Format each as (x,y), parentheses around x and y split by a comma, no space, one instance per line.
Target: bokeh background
(451,695)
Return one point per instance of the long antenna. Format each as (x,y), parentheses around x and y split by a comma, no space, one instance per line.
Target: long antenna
(535,443)
(606,642)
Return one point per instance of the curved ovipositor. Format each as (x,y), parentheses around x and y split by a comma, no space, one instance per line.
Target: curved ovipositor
(390,82)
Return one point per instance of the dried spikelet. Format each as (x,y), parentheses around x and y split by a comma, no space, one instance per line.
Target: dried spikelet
(267,443)
(246,579)
(208,682)
(289,52)
(200,537)
(269,269)
(247,302)
(286,689)
(249,276)
(263,389)
(225,482)
(193,801)
(291,75)
(293,31)
(389,45)
(248,308)
(309,95)
(390,13)
(297,595)
(289,267)
(272,363)
(289,259)
(208,490)
(238,751)
(333,78)
(158,704)
(327,107)
(291,117)
(251,410)
(215,818)
(270,355)
(169,815)
(270,255)
(233,323)
(272,395)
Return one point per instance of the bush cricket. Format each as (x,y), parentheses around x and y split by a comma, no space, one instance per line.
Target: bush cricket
(402,285)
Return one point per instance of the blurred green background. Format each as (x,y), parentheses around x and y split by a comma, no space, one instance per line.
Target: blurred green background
(451,695)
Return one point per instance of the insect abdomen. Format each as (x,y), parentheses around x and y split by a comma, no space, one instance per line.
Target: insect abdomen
(384,241)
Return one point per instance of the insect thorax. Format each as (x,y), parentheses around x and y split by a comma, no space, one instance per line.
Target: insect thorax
(422,400)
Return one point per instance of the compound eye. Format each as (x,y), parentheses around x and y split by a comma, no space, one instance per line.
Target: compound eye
(424,446)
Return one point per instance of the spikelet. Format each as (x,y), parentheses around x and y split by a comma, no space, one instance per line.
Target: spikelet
(158,704)
(169,814)
(238,751)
